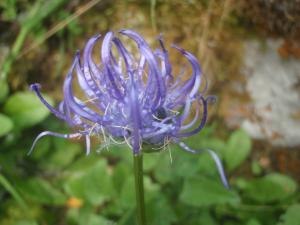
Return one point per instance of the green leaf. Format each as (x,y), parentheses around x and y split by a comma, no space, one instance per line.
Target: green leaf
(205,192)
(3,90)
(25,109)
(150,161)
(86,216)
(6,125)
(120,174)
(273,187)
(8,187)
(253,222)
(256,168)
(62,155)
(200,217)
(183,164)
(237,149)
(207,165)
(41,149)
(206,218)
(127,197)
(83,163)
(176,163)
(41,191)
(291,216)
(9,10)
(94,219)
(26,222)
(213,143)
(93,185)
(163,171)
(160,211)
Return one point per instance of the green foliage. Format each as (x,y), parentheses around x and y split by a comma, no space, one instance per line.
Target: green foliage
(3,90)
(9,9)
(9,188)
(237,149)
(180,188)
(6,124)
(160,211)
(203,192)
(252,222)
(291,216)
(270,188)
(60,159)
(25,109)
(40,191)
(33,18)
(93,185)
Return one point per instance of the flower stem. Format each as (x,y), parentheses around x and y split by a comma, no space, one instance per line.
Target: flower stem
(139,189)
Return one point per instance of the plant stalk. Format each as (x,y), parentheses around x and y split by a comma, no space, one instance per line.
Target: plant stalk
(139,189)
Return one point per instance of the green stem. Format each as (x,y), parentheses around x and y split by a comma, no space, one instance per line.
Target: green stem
(9,187)
(152,14)
(37,13)
(14,52)
(139,189)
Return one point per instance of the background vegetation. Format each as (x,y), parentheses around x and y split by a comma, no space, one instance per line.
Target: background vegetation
(58,184)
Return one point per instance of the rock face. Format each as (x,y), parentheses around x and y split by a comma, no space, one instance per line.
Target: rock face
(273,17)
(273,84)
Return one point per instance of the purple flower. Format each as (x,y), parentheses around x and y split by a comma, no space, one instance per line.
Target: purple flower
(132,96)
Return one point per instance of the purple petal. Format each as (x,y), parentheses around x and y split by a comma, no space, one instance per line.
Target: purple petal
(70,102)
(200,126)
(192,86)
(36,88)
(215,158)
(149,56)
(49,133)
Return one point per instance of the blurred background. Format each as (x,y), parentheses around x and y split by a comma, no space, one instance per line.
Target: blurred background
(249,52)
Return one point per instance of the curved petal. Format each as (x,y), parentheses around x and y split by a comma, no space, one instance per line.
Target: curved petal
(49,133)
(200,126)
(71,103)
(215,157)
(106,58)
(193,84)
(192,123)
(166,60)
(36,88)
(82,81)
(90,70)
(150,58)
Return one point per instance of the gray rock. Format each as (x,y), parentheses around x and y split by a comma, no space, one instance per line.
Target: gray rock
(273,84)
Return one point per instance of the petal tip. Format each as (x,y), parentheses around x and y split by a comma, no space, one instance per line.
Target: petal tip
(35,86)
(97,36)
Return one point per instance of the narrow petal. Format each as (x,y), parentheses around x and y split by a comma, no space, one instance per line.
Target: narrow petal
(90,69)
(36,88)
(213,155)
(192,123)
(88,144)
(82,81)
(106,61)
(167,63)
(200,126)
(194,82)
(70,102)
(49,133)
(153,65)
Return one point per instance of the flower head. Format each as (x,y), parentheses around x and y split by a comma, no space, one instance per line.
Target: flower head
(132,97)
